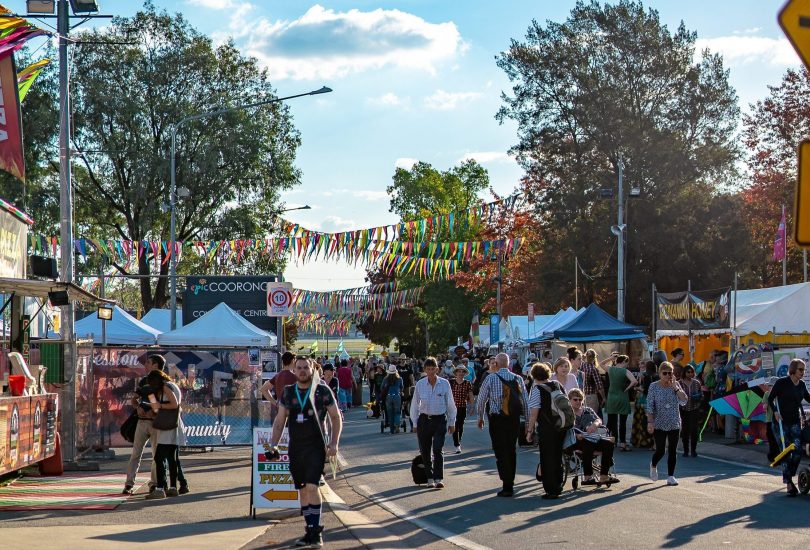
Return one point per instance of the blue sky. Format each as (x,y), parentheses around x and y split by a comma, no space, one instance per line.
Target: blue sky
(417,80)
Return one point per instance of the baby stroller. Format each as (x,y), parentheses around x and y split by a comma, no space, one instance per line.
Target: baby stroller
(574,468)
(384,421)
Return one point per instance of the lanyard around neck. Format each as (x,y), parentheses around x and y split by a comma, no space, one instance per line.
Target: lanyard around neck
(306,397)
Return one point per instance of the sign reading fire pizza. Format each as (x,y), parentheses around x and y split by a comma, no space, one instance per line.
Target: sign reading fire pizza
(272,485)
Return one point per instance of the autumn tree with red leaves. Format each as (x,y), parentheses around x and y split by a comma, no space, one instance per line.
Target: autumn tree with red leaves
(772,132)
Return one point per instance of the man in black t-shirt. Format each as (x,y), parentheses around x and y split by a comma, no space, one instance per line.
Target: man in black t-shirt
(785,401)
(303,407)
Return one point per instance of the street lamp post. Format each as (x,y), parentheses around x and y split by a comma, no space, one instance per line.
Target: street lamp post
(173,188)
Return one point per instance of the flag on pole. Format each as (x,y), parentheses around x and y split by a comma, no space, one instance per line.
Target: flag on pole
(780,242)
(474,339)
(313,347)
(340,348)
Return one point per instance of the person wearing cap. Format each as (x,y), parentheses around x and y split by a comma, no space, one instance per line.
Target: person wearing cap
(462,396)
(391,393)
(329,378)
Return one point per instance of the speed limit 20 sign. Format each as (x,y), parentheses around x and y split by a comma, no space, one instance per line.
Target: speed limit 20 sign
(279,299)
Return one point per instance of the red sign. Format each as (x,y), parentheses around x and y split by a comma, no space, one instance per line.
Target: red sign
(11,147)
(531,313)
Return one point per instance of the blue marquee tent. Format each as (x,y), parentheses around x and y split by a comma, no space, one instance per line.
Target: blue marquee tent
(596,325)
(161,319)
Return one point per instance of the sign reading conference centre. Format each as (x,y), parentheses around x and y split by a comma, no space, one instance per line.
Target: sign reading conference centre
(247,296)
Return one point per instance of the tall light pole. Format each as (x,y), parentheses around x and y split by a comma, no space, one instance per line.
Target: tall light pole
(173,188)
(622,227)
(280,277)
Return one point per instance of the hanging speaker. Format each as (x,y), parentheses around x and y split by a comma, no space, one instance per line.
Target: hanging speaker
(59,298)
(40,266)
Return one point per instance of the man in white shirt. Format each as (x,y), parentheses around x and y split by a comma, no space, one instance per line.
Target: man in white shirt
(433,412)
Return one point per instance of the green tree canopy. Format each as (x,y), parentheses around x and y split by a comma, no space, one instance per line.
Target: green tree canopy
(612,82)
(133,80)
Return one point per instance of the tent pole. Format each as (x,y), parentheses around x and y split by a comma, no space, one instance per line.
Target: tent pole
(733,345)
(689,319)
(654,316)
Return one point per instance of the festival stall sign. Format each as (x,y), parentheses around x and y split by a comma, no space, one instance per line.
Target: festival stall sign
(27,430)
(696,310)
(13,231)
(754,361)
(271,481)
(247,296)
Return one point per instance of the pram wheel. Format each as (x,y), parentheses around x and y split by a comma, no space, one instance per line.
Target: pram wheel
(804,480)
(575,482)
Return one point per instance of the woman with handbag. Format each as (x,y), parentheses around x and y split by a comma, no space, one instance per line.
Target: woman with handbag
(166,406)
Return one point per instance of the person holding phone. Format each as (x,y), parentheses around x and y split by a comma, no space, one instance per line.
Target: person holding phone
(664,399)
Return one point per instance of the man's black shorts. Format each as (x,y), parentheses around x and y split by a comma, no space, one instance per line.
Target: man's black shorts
(306,462)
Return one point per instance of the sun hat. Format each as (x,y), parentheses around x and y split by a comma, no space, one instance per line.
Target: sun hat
(460,368)
(448,363)
(392,369)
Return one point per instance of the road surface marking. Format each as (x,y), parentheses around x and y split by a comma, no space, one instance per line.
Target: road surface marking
(372,534)
(440,532)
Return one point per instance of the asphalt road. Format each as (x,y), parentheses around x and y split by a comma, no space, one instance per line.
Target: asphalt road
(717,503)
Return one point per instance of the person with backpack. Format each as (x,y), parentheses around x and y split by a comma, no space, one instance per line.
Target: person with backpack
(552,412)
(505,393)
(586,426)
(391,392)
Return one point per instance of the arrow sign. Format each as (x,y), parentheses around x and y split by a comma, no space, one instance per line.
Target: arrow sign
(274,494)
(795,22)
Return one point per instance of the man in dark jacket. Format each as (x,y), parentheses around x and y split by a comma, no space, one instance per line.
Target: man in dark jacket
(786,402)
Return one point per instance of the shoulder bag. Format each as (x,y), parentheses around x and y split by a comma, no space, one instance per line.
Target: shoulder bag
(166,419)
(129,426)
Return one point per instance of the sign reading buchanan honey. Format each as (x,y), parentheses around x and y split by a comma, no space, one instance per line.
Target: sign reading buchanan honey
(697,310)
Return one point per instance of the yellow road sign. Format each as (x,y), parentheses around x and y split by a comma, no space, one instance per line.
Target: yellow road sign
(801,217)
(795,22)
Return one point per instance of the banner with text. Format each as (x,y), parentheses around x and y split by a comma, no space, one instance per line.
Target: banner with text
(698,310)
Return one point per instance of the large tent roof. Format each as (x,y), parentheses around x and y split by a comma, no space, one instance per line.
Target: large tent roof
(594,324)
(220,327)
(161,319)
(559,319)
(761,310)
(122,329)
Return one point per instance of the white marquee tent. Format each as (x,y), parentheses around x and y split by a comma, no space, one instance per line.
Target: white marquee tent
(220,327)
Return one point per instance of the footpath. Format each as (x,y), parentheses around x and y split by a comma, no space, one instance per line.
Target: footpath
(216,515)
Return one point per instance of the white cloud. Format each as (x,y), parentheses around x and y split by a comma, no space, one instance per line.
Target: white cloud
(405,163)
(445,101)
(213,4)
(388,99)
(484,157)
(324,43)
(743,50)
(334,224)
(371,195)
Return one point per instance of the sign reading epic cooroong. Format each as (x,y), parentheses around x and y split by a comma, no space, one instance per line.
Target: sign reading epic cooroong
(245,295)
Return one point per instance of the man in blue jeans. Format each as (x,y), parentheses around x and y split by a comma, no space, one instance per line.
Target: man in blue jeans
(786,402)
(433,412)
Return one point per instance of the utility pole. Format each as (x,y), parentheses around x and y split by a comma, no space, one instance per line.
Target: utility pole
(620,236)
(498,302)
(66,236)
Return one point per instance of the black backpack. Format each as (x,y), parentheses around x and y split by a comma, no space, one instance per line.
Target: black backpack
(511,404)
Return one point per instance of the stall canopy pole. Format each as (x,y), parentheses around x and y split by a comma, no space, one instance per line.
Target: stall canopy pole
(734,315)
(576,282)
(654,315)
(689,319)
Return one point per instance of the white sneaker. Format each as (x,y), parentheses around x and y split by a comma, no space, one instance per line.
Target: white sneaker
(653,473)
(439,484)
(431,484)
(458,450)
(672,481)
